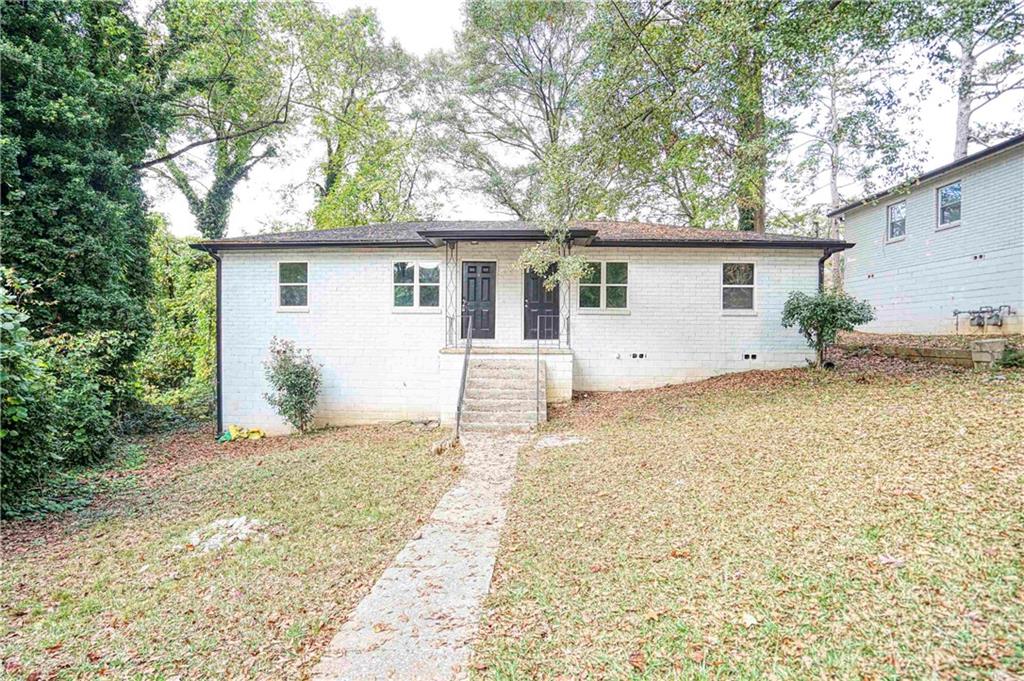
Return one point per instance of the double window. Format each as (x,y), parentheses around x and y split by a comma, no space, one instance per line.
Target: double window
(948,205)
(738,286)
(417,284)
(604,286)
(896,221)
(293,285)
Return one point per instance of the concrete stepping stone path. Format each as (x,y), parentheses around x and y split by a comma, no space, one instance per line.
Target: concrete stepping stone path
(421,617)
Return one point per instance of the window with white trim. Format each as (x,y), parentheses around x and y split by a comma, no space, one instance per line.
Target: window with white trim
(605,286)
(738,286)
(293,284)
(896,221)
(948,205)
(416,284)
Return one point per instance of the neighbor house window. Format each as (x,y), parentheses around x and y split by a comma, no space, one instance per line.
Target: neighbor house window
(605,286)
(417,284)
(896,221)
(293,284)
(738,286)
(949,205)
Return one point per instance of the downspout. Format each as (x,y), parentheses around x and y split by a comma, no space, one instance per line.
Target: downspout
(219,369)
(821,269)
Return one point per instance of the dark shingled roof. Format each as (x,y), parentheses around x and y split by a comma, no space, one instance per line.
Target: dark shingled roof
(600,233)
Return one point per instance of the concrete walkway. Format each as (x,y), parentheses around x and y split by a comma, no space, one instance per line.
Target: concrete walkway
(420,618)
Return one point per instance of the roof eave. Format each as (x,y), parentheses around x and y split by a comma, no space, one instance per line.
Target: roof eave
(213,246)
(835,246)
(914,182)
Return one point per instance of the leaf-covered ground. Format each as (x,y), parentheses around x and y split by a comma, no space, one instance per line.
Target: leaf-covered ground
(861,339)
(867,523)
(106,592)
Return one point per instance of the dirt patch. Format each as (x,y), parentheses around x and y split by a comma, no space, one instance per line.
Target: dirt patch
(906,340)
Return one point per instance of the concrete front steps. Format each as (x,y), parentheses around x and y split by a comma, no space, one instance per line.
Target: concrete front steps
(501,394)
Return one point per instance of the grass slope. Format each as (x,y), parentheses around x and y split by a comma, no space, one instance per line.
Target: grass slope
(111,596)
(771,525)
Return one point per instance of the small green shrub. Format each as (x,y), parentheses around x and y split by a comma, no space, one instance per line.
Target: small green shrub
(88,393)
(822,316)
(295,380)
(1013,358)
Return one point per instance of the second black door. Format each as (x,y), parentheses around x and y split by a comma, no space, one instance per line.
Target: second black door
(540,308)
(478,298)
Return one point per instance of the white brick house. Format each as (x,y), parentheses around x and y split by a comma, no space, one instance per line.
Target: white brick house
(385,308)
(950,240)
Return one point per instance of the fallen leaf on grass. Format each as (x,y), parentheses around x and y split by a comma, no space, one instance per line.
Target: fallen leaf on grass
(637,660)
(749,620)
(890,561)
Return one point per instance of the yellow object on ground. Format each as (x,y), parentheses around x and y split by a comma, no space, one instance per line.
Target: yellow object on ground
(240,433)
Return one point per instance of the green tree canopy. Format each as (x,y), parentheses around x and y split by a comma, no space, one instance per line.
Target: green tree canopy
(81,106)
(233,72)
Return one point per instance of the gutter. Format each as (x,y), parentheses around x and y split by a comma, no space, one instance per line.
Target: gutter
(212,246)
(703,243)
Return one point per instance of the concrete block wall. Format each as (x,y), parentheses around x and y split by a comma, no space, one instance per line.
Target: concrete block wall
(916,283)
(675,318)
(386,364)
(379,364)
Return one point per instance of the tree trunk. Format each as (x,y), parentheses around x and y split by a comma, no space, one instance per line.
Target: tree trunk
(964,101)
(752,147)
(835,199)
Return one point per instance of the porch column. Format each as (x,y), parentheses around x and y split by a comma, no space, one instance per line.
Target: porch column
(565,300)
(452,308)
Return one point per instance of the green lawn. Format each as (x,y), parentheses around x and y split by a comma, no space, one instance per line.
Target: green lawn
(106,592)
(771,525)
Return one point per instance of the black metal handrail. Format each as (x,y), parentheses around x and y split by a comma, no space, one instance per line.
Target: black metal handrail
(465,370)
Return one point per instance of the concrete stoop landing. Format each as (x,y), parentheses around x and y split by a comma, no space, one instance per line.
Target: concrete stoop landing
(504,395)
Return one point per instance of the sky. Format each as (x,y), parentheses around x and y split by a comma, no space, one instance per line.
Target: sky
(421,26)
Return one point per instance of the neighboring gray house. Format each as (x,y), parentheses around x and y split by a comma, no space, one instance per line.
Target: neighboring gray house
(944,252)
(385,310)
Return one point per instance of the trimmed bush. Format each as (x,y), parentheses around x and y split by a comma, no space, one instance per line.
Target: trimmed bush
(295,379)
(822,316)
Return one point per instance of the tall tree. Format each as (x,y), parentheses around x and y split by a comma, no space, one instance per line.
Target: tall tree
(511,94)
(356,90)
(81,106)
(977,47)
(235,71)
(716,80)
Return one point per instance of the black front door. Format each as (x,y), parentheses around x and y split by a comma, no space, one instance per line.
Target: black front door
(540,308)
(478,298)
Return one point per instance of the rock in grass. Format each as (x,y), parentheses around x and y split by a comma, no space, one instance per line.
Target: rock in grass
(221,533)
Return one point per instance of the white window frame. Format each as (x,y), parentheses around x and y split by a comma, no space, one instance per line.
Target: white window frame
(416,308)
(726,312)
(280,285)
(939,225)
(603,286)
(889,239)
